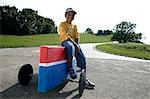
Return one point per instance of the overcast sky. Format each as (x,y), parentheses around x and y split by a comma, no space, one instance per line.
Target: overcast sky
(94,14)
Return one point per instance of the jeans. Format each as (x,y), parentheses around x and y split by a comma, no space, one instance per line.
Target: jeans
(70,51)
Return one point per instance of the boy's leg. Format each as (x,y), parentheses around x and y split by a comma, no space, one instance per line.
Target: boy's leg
(70,51)
(81,62)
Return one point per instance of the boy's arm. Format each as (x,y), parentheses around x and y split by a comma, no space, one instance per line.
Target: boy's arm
(77,40)
(63,34)
(75,43)
(77,35)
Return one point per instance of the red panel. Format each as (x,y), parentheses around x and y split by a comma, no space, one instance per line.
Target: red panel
(52,53)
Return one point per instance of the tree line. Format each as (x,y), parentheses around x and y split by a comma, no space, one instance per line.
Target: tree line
(122,32)
(24,22)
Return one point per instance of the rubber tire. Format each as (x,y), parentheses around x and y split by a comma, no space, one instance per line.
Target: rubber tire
(82,82)
(25,74)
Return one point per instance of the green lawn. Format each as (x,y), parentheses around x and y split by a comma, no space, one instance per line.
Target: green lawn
(128,49)
(136,50)
(28,41)
(7,41)
(88,38)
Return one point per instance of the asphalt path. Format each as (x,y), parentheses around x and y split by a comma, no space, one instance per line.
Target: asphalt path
(116,77)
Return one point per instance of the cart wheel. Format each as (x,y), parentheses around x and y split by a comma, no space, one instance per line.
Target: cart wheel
(82,82)
(25,74)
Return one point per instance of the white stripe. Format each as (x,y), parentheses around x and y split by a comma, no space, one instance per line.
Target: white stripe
(52,63)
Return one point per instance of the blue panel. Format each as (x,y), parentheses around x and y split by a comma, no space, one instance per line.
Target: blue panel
(52,76)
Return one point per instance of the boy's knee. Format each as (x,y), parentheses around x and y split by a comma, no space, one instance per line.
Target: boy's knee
(69,47)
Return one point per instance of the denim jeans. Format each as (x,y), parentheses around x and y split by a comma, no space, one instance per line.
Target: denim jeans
(70,51)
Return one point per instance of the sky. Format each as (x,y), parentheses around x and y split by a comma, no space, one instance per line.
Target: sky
(94,14)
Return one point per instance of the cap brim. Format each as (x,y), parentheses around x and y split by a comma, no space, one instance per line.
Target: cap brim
(72,11)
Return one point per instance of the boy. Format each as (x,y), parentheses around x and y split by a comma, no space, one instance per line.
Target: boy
(69,38)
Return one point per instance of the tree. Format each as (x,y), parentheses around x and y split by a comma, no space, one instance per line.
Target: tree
(89,30)
(9,22)
(137,37)
(49,26)
(25,22)
(27,18)
(104,32)
(124,32)
(55,30)
(107,32)
(100,32)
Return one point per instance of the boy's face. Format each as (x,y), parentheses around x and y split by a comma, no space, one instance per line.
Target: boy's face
(70,16)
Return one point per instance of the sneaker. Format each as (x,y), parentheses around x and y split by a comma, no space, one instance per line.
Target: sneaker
(89,84)
(72,73)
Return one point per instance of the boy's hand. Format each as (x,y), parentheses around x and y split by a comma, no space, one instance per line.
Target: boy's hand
(77,48)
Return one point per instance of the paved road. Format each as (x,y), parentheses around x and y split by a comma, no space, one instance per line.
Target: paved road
(101,55)
(116,77)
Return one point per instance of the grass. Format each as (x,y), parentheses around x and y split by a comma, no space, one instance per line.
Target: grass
(136,50)
(128,49)
(88,38)
(28,41)
(10,41)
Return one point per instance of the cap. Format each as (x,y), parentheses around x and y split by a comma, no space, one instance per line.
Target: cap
(70,10)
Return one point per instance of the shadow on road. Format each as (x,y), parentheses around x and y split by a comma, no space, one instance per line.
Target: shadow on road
(30,91)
